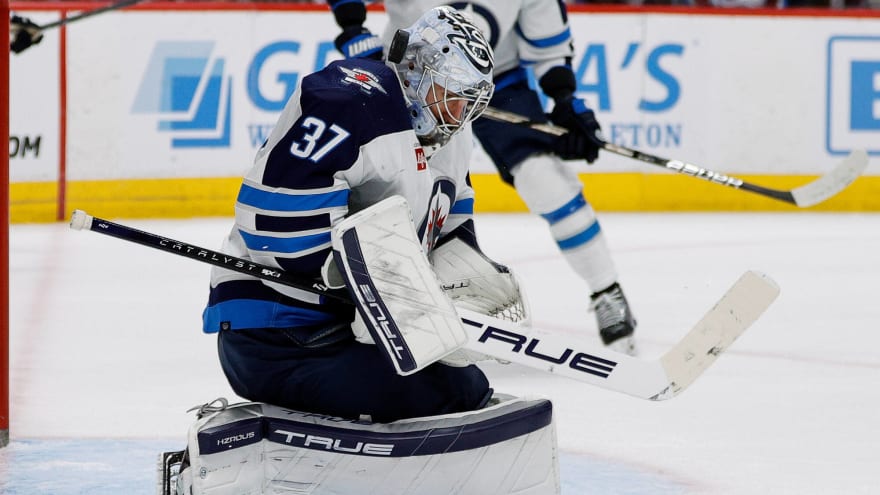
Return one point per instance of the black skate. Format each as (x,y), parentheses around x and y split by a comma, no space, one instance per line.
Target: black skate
(615,320)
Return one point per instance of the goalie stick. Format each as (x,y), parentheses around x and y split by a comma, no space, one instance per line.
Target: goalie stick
(653,379)
(82,220)
(804,196)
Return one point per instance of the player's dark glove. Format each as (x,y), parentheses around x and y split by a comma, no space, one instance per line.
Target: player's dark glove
(582,140)
(359,42)
(24,33)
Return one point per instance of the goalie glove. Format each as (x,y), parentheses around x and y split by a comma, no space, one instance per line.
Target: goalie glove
(474,282)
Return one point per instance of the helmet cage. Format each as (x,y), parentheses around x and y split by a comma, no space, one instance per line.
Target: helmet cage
(450,103)
(446,71)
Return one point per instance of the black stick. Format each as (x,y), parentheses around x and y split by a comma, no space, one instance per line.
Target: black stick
(804,196)
(89,13)
(82,220)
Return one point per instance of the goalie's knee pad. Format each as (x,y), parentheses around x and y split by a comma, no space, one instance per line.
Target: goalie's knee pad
(254,448)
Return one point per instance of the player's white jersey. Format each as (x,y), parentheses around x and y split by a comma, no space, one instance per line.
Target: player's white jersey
(521,32)
(343,142)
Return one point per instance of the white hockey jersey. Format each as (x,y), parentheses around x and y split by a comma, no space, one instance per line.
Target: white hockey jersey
(343,142)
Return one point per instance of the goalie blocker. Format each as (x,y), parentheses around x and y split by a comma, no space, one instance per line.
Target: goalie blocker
(399,300)
(506,448)
(404,305)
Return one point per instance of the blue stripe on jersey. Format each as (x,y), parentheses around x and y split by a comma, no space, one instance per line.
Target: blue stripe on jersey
(558,39)
(268,223)
(581,238)
(462,207)
(579,105)
(284,244)
(565,210)
(305,266)
(242,314)
(279,201)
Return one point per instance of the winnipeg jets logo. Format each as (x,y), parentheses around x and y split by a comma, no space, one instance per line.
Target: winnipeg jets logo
(436,220)
(365,80)
(439,208)
(471,41)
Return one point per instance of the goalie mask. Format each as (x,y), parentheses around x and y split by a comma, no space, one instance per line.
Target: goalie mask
(445,65)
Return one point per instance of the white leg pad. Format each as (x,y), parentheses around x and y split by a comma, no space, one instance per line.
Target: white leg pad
(254,448)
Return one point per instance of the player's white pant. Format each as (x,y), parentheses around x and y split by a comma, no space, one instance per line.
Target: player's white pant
(253,448)
(552,189)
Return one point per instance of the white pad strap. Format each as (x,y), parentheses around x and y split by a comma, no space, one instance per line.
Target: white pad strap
(398,297)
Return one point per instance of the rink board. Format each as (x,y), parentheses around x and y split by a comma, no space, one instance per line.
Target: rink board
(183,106)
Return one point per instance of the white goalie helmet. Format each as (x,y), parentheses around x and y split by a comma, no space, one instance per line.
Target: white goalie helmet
(445,65)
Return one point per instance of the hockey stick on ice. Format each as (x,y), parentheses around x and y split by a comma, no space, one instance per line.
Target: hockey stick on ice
(804,196)
(656,379)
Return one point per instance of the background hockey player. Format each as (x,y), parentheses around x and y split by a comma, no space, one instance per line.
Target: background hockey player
(529,33)
(357,132)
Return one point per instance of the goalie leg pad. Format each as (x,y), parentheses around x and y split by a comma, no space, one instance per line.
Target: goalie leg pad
(255,448)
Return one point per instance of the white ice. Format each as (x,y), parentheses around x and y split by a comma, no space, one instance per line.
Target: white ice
(106,344)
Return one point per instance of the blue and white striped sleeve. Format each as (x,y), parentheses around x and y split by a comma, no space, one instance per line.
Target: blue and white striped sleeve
(544,36)
(297,190)
(287,227)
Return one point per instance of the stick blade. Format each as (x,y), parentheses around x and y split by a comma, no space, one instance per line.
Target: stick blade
(735,312)
(832,183)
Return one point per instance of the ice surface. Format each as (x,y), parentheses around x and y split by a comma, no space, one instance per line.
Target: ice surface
(107,355)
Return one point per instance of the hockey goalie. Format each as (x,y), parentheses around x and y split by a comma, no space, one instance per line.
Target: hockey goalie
(363,184)
(406,307)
